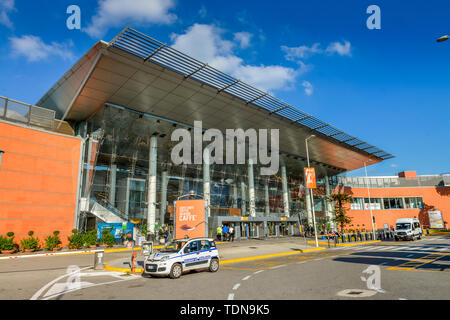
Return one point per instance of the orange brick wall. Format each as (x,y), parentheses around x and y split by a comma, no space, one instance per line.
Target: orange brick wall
(38,182)
(434,198)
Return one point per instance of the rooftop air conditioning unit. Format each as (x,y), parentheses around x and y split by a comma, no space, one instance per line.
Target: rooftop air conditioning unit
(446,180)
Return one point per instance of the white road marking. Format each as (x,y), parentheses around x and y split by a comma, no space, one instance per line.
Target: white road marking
(258,271)
(409,255)
(231,296)
(382,264)
(236,286)
(246,278)
(276,267)
(443,249)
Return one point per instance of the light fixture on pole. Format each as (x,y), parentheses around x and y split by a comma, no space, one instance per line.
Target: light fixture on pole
(311,193)
(443,38)
(370,204)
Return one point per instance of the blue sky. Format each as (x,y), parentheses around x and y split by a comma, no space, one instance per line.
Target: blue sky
(389,87)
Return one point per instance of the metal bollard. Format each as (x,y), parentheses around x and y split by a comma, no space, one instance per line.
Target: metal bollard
(335,240)
(98,260)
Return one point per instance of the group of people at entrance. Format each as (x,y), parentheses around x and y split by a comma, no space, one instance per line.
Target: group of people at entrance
(225,233)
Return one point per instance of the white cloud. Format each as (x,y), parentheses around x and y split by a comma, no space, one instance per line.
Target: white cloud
(243,38)
(341,49)
(34,49)
(302,52)
(206,43)
(6,7)
(114,13)
(309,89)
(202,12)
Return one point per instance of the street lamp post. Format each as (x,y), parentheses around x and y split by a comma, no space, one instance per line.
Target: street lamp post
(311,193)
(370,204)
(443,38)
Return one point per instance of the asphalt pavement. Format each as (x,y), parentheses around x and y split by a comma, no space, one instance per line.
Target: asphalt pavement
(386,270)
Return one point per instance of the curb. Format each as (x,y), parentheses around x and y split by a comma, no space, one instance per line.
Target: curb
(109,268)
(345,244)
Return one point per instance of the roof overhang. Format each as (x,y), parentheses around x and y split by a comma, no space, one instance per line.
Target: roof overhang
(165,83)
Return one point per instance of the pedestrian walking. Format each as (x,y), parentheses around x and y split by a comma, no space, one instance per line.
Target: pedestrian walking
(231,231)
(219,233)
(225,232)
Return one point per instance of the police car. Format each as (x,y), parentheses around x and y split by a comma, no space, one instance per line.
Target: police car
(183,255)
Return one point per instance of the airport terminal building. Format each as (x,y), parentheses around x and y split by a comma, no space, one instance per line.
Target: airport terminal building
(97,147)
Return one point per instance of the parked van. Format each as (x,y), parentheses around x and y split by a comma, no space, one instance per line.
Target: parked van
(408,229)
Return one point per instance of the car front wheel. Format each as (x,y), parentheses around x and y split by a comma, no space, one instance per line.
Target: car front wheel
(214,265)
(175,271)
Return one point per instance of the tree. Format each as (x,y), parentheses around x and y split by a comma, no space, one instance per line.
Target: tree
(340,212)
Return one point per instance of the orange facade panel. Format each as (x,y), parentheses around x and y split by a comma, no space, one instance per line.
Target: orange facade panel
(38,180)
(434,198)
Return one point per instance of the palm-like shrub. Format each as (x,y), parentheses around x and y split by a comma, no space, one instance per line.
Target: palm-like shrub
(30,243)
(52,242)
(76,239)
(90,238)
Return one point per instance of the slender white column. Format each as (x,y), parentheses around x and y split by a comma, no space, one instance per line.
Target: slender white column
(328,204)
(266,198)
(243,198)
(251,189)
(235,195)
(206,181)
(112,185)
(285,191)
(308,206)
(151,212)
(162,209)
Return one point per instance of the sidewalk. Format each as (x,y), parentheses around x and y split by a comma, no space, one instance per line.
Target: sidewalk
(230,252)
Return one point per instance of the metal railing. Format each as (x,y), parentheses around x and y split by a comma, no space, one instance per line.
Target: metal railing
(16,111)
(393,182)
(149,49)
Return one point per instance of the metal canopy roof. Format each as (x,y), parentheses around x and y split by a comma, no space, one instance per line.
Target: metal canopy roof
(148,48)
(143,74)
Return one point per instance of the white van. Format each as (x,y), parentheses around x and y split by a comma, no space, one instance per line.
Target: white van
(407,229)
(183,255)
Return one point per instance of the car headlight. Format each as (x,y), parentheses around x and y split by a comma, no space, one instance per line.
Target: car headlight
(164,258)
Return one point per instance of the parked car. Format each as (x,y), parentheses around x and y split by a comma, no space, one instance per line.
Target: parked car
(407,229)
(183,255)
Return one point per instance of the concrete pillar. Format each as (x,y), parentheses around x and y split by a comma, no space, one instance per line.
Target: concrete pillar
(266,199)
(251,189)
(285,191)
(163,206)
(243,198)
(235,195)
(328,204)
(112,185)
(206,181)
(151,211)
(181,191)
(266,232)
(308,206)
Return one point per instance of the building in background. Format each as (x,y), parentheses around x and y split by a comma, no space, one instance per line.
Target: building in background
(125,98)
(426,197)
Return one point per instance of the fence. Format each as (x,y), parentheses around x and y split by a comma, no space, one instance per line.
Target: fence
(16,111)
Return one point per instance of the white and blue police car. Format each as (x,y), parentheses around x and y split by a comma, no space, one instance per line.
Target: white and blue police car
(183,255)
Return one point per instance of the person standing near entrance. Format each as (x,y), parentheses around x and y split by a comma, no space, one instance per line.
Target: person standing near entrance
(231,231)
(225,232)
(219,233)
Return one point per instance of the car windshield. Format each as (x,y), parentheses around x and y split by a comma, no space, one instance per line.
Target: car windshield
(403,226)
(173,246)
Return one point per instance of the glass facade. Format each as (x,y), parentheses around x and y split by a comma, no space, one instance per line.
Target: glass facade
(387,203)
(117,163)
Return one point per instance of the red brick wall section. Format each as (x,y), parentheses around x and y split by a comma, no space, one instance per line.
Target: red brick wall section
(434,198)
(38,182)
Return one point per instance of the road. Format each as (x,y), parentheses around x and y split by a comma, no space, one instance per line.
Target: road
(407,270)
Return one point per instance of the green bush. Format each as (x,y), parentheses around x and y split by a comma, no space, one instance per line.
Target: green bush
(7,243)
(53,241)
(30,243)
(107,237)
(76,239)
(90,238)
